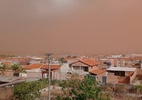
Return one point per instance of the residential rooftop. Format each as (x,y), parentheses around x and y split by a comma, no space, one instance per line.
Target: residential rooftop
(121,69)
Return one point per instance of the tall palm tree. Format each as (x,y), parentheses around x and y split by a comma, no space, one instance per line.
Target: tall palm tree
(17,69)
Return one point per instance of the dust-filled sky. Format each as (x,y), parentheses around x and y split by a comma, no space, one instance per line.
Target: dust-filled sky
(70,26)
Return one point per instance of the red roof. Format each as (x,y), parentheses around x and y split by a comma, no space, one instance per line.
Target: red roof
(6,63)
(53,67)
(33,66)
(89,62)
(97,71)
(41,66)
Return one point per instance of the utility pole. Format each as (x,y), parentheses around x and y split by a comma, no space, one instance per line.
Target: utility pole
(49,60)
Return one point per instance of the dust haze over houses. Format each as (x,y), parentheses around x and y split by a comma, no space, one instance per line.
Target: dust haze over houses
(74,26)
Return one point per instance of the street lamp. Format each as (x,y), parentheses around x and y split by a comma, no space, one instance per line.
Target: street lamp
(48,58)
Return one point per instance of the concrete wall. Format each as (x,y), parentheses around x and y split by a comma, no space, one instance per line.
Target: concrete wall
(99,76)
(34,70)
(59,75)
(65,68)
(93,68)
(8,73)
(23,74)
(132,77)
(34,74)
(112,79)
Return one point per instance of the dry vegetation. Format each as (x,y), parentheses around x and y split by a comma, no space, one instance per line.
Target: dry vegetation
(6,93)
(123,92)
(113,91)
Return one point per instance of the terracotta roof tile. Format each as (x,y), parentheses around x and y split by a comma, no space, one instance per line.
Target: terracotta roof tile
(6,63)
(33,66)
(53,67)
(97,71)
(41,66)
(89,62)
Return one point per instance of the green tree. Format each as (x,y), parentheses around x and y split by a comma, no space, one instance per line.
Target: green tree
(62,60)
(3,68)
(86,89)
(29,90)
(17,69)
(138,89)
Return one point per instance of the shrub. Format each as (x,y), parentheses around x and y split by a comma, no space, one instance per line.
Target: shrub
(86,89)
(29,90)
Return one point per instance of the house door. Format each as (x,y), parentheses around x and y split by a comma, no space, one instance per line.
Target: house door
(104,79)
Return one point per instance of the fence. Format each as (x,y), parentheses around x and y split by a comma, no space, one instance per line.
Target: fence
(34,74)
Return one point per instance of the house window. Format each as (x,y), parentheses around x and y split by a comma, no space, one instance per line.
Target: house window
(120,73)
(86,69)
(76,68)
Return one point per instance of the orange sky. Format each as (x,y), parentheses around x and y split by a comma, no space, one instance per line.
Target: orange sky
(70,26)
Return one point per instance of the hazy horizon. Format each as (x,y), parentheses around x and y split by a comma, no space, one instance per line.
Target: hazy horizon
(70,26)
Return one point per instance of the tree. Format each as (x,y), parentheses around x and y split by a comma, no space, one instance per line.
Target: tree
(6,55)
(29,90)
(86,89)
(17,69)
(3,68)
(62,60)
